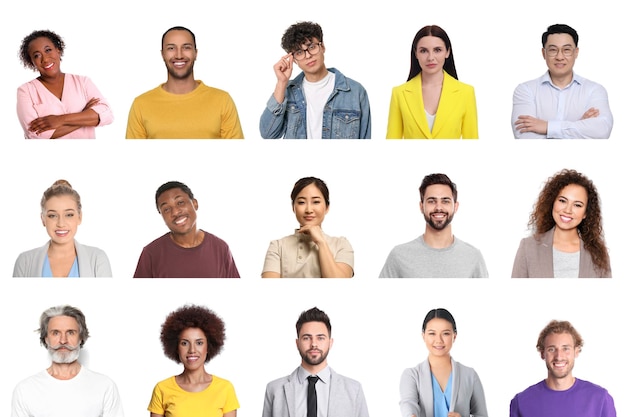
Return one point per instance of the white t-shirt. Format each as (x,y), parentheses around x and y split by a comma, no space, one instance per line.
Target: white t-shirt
(88,394)
(316,95)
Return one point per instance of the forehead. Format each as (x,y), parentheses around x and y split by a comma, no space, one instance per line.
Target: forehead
(559,39)
(192,333)
(558,339)
(310,190)
(439,324)
(178,37)
(61,203)
(438,191)
(574,192)
(39,43)
(62,323)
(314,328)
(430,42)
(172,194)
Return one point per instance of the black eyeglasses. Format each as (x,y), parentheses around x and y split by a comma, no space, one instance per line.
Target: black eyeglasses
(312,49)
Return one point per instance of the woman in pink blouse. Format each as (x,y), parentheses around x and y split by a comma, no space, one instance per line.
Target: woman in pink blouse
(55,104)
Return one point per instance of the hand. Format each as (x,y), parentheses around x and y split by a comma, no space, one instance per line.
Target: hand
(531,124)
(592,112)
(41,124)
(283,68)
(91,103)
(453,414)
(315,231)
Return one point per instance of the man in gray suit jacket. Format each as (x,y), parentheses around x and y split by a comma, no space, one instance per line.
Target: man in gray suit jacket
(336,395)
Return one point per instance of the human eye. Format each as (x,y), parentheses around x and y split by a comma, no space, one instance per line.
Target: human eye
(52,216)
(298,54)
(183,343)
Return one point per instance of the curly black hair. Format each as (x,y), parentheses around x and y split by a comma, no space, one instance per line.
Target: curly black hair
(299,33)
(187,317)
(54,38)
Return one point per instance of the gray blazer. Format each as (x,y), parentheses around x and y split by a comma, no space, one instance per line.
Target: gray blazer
(346,398)
(416,392)
(92,262)
(534,259)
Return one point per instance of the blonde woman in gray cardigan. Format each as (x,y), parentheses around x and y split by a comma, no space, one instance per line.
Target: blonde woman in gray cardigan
(62,255)
(439,386)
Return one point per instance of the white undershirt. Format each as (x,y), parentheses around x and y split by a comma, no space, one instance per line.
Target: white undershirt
(431,120)
(316,95)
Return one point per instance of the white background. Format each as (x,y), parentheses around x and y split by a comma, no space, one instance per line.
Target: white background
(243,190)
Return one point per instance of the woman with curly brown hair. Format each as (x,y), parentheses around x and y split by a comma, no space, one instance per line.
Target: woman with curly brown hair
(568,239)
(193,335)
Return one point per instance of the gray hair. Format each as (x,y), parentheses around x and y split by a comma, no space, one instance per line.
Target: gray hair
(64,310)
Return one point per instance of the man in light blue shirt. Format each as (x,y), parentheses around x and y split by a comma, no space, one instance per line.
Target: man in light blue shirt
(561,104)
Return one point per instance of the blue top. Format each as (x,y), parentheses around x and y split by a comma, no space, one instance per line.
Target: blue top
(47,271)
(441,399)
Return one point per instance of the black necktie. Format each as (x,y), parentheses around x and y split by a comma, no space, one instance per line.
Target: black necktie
(311,398)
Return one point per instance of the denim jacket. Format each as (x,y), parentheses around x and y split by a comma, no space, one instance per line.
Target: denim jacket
(346,114)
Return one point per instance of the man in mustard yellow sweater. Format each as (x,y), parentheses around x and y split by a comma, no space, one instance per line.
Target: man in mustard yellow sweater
(182,107)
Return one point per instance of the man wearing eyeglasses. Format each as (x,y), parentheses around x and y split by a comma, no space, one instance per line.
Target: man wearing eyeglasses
(561,104)
(320,103)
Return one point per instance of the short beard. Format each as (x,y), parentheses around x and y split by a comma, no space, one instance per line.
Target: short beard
(439,225)
(172,72)
(64,357)
(313,362)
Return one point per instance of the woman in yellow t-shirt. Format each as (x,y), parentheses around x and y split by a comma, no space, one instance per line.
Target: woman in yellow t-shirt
(193,335)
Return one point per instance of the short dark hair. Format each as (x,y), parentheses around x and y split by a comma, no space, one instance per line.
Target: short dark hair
(433,179)
(439,313)
(299,33)
(313,314)
(559,28)
(558,327)
(54,38)
(63,310)
(306,181)
(168,186)
(192,316)
(179,28)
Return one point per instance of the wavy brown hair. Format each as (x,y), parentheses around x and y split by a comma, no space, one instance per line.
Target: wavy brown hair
(590,228)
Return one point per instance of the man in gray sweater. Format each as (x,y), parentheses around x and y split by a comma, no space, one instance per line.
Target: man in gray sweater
(437,253)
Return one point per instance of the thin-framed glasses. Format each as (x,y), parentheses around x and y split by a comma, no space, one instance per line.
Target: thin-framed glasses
(312,49)
(553,51)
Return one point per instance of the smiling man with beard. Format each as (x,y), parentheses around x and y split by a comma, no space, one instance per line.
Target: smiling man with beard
(560,394)
(185,251)
(314,387)
(182,107)
(437,253)
(66,388)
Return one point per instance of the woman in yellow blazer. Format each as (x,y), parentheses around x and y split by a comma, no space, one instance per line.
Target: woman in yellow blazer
(432,104)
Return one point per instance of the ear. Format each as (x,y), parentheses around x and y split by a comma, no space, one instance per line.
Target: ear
(80,217)
(422,207)
(543,53)
(43,222)
(456,206)
(195,204)
(330,345)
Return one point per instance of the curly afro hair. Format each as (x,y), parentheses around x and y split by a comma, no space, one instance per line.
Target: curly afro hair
(54,38)
(192,316)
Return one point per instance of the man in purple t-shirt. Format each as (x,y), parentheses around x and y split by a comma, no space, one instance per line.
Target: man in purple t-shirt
(185,251)
(560,394)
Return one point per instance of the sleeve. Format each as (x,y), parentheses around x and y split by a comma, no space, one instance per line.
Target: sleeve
(156,405)
(19,269)
(481,267)
(520,266)
(608,409)
(144,268)
(112,404)
(395,125)
(272,124)
(229,265)
(514,408)
(230,127)
(524,104)
(388,270)
(272,258)
(366,120)
(345,253)
(102,265)
(102,108)
(478,404)
(27,111)
(135,128)
(409,395)
(361,404)
(231,403)
(18,407)
(268,403)
(593,128)
(469,129)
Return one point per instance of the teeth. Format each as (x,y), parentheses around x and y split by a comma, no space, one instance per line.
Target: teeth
(181,220)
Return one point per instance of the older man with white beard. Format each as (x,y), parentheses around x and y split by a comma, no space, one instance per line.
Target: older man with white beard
(66,388)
